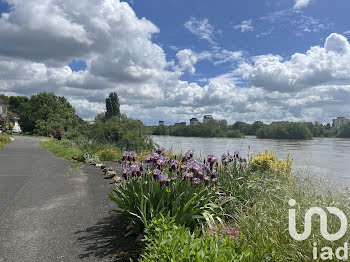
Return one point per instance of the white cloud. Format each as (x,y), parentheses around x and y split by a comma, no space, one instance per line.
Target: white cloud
(187,60)
(201,28)
(318,66)
(301,4)
(121,57)
(245,26)
(346,33)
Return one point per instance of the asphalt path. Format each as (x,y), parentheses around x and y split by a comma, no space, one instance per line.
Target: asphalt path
(51,212)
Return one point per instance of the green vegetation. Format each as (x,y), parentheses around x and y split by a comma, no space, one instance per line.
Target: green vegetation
(280,130)
(167,241)
(289,130)
(243,218)
(4,139)
(63,148)
(345,131)
(212,128)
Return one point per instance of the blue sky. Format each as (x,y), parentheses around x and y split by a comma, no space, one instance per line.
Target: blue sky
(172,60)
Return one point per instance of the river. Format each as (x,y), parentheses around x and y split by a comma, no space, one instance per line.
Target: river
(327,157)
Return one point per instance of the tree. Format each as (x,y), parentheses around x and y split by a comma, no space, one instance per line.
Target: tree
(112,106)
(46,111)
(345,131)
(16,104)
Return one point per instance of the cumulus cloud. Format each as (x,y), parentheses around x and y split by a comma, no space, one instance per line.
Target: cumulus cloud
(301,4)
(318,66)
(44,36)
(245,26)
(187,60)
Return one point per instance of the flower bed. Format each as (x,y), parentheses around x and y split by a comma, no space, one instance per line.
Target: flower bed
(4,139)
(196,196)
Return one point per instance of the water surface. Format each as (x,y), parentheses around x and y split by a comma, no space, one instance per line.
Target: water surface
(328,157)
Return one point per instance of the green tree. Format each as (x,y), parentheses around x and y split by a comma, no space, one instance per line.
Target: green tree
(46,111)
(345,131)
(112,106)
(16,104)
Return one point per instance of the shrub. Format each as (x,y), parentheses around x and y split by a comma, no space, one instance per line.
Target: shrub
(267,163)
(57,133)
(167,241)
(107,155)
(234,134)
(4,139)
(289,130)
(91,158)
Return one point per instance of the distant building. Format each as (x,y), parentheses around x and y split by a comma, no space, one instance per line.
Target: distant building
(194,122)
(183,123)
(177,124)
(13,118)
(340,121)
(161,123)
(3,115)
(207,118)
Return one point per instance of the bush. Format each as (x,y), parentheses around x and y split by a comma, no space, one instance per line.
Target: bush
(234,134)
(267,163)
(107,155)
(4,139)
(345,131)
(289,130)
(57,133)
(167,241)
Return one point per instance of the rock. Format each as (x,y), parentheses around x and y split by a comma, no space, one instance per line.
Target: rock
(110,174)
(98,165)
(116,179)
(107,169)
(103,166)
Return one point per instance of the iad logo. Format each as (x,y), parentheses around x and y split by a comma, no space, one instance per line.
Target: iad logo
(323,222)
(327,252)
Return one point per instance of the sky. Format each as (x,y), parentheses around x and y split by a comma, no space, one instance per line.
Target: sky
(171,60)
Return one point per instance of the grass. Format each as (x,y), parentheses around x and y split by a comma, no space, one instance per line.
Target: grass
(264,219)
(63,148)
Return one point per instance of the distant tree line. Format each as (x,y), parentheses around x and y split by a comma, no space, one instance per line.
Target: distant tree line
(211,128)
(279,130)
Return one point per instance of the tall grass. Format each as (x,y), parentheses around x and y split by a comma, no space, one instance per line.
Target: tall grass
(264,218)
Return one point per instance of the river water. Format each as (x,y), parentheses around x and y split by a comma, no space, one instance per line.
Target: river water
(327,157)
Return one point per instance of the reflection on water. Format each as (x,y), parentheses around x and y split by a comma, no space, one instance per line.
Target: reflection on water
(326,156)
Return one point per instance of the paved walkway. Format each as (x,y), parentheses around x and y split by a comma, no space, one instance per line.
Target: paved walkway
(50,212)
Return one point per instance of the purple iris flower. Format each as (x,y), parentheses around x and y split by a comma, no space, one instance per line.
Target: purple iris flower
(173,165)
(213,173)
(164,181)
(223,157)
(125,173)
(236,154)
(206,180)
(160,150)
(196,182)
(125,156)
(156,174)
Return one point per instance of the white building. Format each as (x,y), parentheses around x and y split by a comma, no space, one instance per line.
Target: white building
(194,122)
(340,121)
(207,118)
(161,123)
